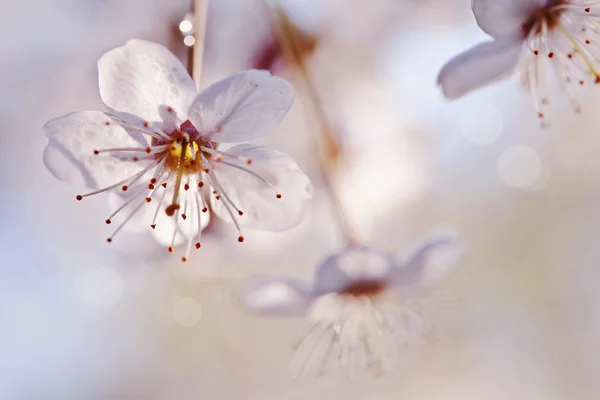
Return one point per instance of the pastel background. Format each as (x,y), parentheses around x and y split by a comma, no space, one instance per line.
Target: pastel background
(81,319)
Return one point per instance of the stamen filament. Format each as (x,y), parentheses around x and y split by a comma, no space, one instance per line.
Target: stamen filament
(199,217)
(219,188)
(154,134)
(160,203)
(579,50)
(249,171)
(225,154)
(121,149)
(228,209)
(131,180)
(191,237)
(124,222)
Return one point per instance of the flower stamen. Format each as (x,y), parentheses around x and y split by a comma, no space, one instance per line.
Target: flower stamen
(256,175)
(131,180)
(226,203)
(155,134)
(225,154)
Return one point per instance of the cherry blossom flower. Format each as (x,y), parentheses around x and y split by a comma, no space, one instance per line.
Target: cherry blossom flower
(164,144)
(529,36)
(365,310)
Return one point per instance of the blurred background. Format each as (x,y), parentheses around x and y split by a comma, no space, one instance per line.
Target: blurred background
(80,319)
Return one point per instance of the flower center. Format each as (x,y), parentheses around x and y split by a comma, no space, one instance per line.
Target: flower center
(176,149)
(366,288)
(550,14)
(186,163)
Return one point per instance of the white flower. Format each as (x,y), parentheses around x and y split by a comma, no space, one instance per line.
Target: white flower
(529,36)
(161,144)
(365,310)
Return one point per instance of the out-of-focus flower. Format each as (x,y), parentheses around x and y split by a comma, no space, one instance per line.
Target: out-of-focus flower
(161,142)
(302,45)
(366,311)
(530,35)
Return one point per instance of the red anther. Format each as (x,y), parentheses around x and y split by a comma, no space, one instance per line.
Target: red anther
(96,152)
(153,180)
(240,239)
(108,221)
(171,209)
(150,186)
(204,209)
(135,159)
(597,79)
(109,240)
(148,199)
(214,192)
(79,197)
(218,197)
(550,55)
(184,216)
(536,52)
(278,195)
(124,188)
(206,170)
(587,9)
(198,245)
(248,161)
(107,123)
(186,187)
(146,124)
(170,109)
(200,184)
(153,226)
(164,185)
(171,249)
(241,213)
(587,41)
(183,259)
(148,150)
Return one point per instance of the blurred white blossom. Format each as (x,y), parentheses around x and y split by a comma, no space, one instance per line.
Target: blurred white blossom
(161,142)
(529,36)
(365,310)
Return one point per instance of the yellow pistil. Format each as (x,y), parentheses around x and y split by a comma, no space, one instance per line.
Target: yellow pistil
(176,149)
(183,151)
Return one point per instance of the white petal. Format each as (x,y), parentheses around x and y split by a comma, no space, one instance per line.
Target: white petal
(144,79)
(246,106)
(479,66)
(500,18)
(276,296)
(70,151)
(429,262)
(353,264)
(257,200)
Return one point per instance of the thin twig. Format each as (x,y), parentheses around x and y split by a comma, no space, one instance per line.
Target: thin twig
(328,145)
(200,17)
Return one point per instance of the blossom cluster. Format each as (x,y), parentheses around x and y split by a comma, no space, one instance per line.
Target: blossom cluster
(170,157)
